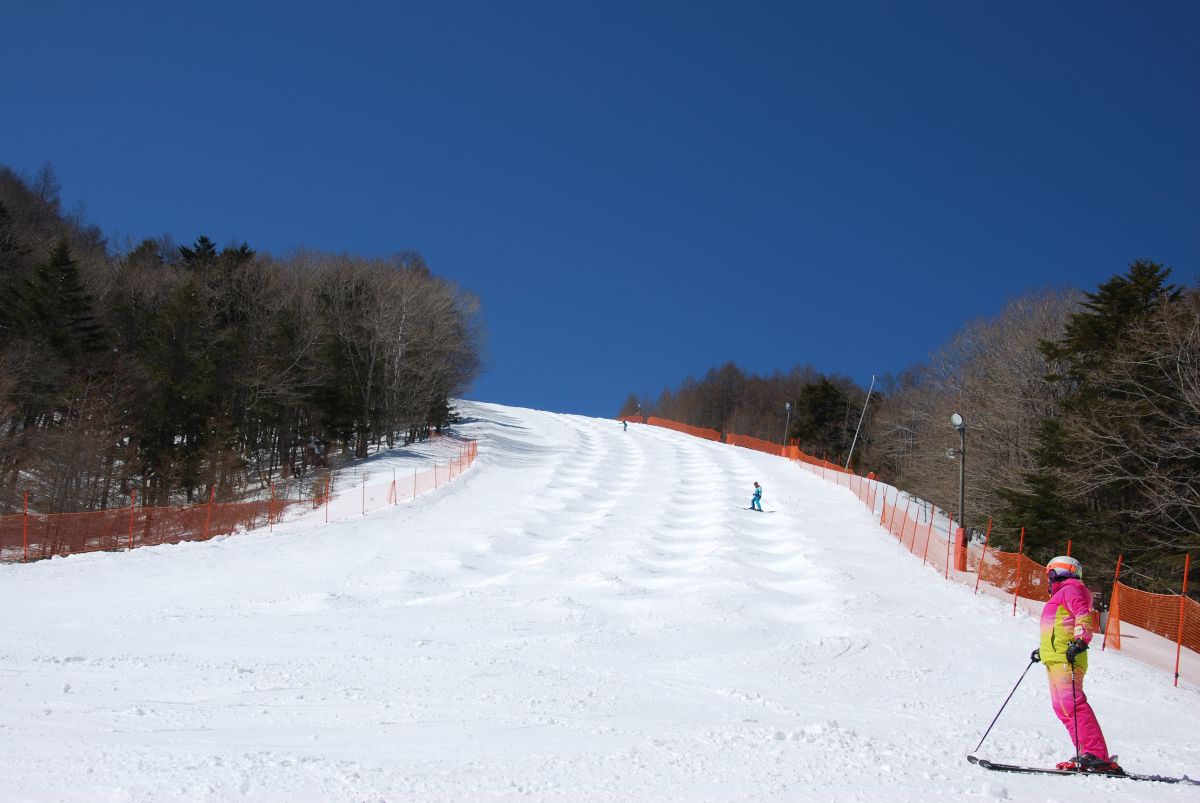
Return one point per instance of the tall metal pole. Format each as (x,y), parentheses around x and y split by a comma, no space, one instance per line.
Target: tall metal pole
(787,424)
(962,475)
(961,540)
(860,420)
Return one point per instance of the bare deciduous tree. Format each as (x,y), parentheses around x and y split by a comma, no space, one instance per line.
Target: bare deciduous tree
(991,373)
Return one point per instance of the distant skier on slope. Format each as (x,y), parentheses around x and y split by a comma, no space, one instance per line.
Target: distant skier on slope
(756,500)
(1067,625)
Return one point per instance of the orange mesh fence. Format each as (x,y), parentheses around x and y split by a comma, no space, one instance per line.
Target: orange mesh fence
(36,536)
(758,444)
(1136,616)
(1014,573)
(1189,662)
(39,536)
(364,496)
(828,470)
(921,538)
(1156,613)
(699,432)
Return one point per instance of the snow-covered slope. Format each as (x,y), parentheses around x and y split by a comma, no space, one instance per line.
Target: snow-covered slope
(586,614)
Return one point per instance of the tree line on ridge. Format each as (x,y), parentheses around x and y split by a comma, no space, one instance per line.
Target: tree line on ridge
(1083,416)
(170,371)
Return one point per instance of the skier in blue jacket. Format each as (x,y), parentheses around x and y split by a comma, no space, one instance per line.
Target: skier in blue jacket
(756,500)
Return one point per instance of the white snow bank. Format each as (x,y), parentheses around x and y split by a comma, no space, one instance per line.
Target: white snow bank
(586,614)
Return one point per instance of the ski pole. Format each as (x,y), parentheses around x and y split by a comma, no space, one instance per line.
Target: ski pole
(1075,710)
(1033,659)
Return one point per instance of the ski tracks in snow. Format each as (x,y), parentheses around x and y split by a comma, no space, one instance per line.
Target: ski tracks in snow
(587,614)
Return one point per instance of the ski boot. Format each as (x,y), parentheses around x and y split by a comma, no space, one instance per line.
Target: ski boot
(1089,763)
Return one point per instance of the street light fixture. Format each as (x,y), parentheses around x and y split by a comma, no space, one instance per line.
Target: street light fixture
(788,423)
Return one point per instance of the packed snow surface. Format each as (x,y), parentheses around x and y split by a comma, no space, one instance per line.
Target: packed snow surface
(586,614)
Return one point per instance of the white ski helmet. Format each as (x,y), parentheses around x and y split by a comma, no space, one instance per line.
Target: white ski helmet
(1064,567)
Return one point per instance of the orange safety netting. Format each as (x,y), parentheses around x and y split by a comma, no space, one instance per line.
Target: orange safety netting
(36,536)
(699,432)
(1014,573)
(919,536)
(1172,617)
(363,496)
(791,451)
(1157,613)
(757,444)
(829,468)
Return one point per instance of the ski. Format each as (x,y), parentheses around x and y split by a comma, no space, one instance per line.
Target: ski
(1133,776)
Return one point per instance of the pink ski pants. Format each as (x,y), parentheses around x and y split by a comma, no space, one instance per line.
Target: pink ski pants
(1072,708)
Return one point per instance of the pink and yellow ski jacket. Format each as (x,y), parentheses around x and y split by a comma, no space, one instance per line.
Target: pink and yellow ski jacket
(1068,615)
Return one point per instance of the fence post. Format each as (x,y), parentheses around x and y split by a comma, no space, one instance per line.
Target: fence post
(132,504)
(271,510)
(900,535)
(414,483)
(1068,547)
(212,492)
(25,530)
(1187,564)
(1112,608)
(1016,576)
(327,480)
(986,538)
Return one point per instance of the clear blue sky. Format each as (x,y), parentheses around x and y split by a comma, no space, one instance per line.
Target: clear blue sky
(639,191)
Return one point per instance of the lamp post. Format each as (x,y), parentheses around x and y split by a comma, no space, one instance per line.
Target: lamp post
(957,421)
(960,538)
(787,424)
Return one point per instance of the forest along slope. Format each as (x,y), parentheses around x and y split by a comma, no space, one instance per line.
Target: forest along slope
(585,614)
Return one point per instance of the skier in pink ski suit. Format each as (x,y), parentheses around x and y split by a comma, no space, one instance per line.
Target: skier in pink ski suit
(1067,624)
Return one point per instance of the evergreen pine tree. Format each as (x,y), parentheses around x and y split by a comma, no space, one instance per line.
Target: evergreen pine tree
(1093,334)
(57,309)
(1050,511)
(202,254)
(1049,519)
(820,420)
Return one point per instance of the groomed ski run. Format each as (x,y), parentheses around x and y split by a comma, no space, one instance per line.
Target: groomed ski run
(584,615)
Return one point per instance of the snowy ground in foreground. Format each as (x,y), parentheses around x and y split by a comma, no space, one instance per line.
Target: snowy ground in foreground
(585,615)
